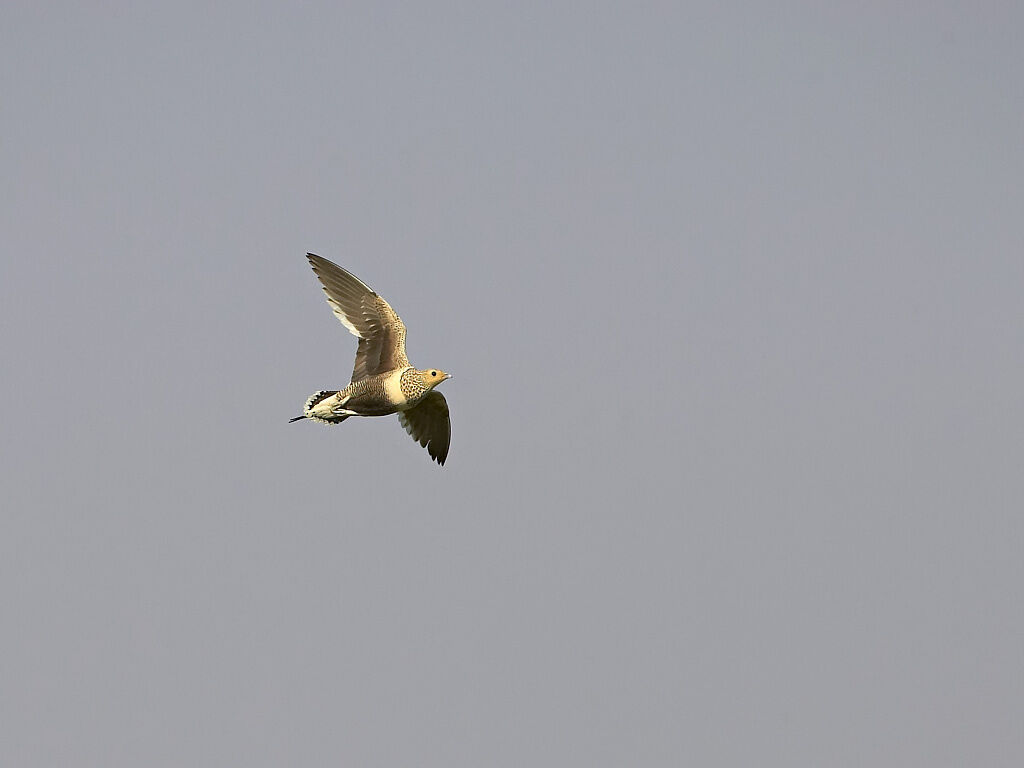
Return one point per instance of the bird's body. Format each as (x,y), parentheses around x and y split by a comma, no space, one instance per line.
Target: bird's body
(378,395)
(383,381)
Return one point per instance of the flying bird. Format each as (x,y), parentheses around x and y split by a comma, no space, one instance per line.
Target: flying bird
(383,381)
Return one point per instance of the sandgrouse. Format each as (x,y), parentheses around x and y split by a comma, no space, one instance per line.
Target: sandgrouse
(383,382)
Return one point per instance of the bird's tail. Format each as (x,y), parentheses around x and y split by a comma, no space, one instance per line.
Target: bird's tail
(324,414)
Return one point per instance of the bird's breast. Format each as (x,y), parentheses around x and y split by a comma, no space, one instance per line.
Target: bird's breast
(393,390)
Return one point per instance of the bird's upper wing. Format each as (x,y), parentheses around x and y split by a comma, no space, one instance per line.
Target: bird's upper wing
(368,316)
(429,425)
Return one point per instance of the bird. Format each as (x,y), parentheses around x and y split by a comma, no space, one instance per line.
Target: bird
(383,382)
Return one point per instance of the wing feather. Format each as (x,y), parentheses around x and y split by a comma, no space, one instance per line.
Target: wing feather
(367,316)
(430,426)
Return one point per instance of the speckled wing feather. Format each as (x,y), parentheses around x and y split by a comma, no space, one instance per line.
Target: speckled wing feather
(367,316)
(429,425)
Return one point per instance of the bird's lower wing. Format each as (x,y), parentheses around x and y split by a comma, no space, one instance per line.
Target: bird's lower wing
(429,425)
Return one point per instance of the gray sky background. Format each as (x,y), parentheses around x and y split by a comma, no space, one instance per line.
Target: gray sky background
(732,294)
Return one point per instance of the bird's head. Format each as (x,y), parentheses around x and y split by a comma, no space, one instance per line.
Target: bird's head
(431,377)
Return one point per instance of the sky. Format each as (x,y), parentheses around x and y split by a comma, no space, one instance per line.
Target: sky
(732,296)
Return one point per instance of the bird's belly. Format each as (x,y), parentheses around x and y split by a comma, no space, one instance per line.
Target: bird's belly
(368,404)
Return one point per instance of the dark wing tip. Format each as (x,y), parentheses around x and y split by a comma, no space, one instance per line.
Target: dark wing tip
(424,426)
(324,269)
(438,449)
(438,457)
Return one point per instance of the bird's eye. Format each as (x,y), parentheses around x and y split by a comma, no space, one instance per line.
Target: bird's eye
(433,373)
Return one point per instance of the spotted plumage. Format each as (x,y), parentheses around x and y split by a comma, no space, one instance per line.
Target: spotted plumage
(413,387)
(383,382)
